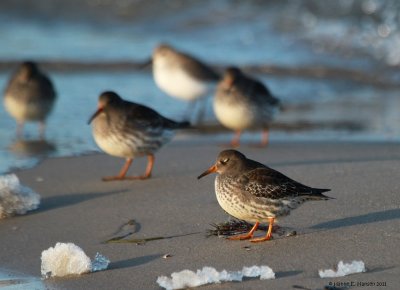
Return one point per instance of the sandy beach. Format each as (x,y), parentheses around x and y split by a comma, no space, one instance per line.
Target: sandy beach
(361,223)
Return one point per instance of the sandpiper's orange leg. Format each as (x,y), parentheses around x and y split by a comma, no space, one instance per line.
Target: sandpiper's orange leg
(236,139)
(124,170)
(265,137)
(268,236)
(247,236)
(122,173)
(149,167)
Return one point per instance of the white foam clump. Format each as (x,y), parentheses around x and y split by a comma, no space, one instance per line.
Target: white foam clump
(343,269)
(16,198)
(264,272)
(66,259)
(208,275)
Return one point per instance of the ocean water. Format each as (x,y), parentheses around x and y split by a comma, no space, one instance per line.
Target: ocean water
(294,37)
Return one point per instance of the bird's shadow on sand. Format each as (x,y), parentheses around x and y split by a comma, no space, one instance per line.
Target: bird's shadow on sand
(278,275)
(133,262)
(379,269)
(287,274)
(54,202)
(368,218)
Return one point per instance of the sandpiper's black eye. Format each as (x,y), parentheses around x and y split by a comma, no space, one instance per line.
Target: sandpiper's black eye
(224,161)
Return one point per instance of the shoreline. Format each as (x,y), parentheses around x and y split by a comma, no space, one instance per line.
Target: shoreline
(379,79)
(218,138)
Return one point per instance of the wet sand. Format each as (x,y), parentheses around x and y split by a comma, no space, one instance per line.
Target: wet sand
(361,223)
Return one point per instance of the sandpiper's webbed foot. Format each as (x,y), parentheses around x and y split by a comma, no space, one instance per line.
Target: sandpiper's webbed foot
(140,177)
(113,178)
(268,236)
(247,236)
(263,239)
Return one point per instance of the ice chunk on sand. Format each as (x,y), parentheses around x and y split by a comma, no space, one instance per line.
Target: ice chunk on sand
(264,272)
(100,263)
(187,278)
(16,198)
(343,269)
(207,275)
(69,259)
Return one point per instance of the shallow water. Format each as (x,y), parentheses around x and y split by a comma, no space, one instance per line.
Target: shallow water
(287,35)
(334,109)
(10,280)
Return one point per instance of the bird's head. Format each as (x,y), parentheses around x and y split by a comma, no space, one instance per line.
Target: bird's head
(106,99)
(162,50)
(230,76)
(27,69)
(228,161)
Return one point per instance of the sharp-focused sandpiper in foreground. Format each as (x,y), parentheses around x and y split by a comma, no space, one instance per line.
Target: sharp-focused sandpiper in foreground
(29,96)
(128,130)
(242,103)
(251,191)
(182,76)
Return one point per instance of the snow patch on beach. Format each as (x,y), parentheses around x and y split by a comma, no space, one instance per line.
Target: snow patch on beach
(16,199)
(343,269)
(208,275)
(66,259)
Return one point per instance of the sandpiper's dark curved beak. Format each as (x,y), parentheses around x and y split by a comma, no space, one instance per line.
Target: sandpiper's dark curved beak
(99,110)
(208,171)
(147,63)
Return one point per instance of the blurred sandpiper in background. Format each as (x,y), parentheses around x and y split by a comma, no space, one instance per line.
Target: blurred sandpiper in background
(334,65)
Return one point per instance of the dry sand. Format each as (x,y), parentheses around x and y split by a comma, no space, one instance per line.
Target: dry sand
(362,223)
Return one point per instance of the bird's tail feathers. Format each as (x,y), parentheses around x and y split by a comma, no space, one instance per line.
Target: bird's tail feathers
(179,125)
(184,124)
(316,194)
